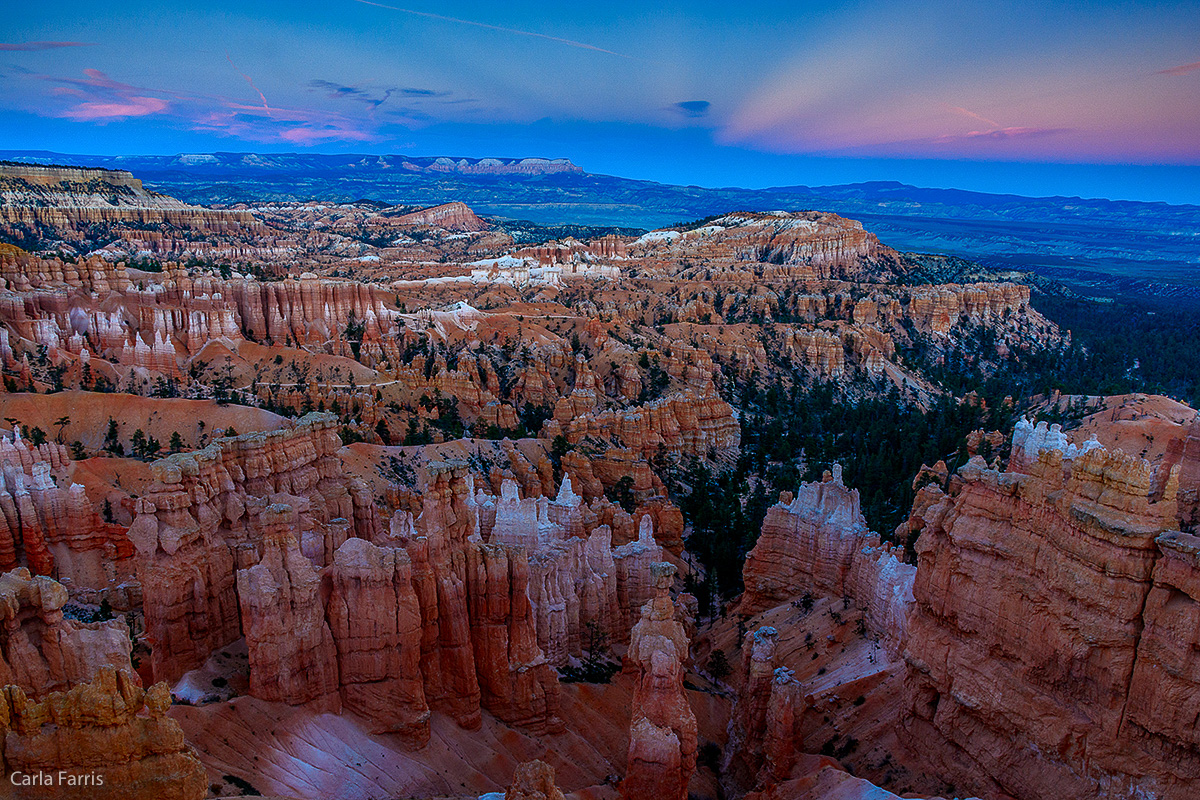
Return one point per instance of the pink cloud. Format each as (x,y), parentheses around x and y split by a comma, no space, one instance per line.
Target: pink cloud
(97,98)
(309,136)
(101,98)
(44,45)
(298,126)
(1182,69)
(130,107)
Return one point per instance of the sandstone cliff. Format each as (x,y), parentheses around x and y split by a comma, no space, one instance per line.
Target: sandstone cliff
(818,543)
(1047,648)
(233,540)
(70,199)
(451,216)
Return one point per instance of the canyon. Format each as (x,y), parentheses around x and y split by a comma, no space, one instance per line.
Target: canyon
(354,500)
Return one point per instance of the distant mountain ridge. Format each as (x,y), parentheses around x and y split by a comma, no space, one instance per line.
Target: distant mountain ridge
(1104,246)
(226,163)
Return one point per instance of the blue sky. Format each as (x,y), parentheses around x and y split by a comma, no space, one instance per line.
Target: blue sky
(1096,99)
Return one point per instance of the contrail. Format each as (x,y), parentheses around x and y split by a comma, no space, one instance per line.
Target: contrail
(252,86)
(1182,69)
(568,42)
(973,115)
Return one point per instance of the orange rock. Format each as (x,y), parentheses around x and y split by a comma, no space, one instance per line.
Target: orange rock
(533,780)
(663,731)
(109,733)
(375,619)
(40,650)
(1047,649)
(292,655)
(819,544)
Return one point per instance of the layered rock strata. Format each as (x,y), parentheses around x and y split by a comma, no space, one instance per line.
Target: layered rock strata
(375,619)
(292,655)
(48,525)
(102,740)
(41,650)
(818,543)
(205,517)
(261,535)
(1051,647)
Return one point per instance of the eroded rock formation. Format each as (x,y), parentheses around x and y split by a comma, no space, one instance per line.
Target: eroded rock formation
(819,543)
(375,619)
(662,733)
(533,780)
(292,656)
(206,516)
(1051,646)
(107,739)
(48,524)
(41,651)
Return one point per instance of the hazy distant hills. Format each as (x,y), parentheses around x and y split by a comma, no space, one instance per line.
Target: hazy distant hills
(1098,246)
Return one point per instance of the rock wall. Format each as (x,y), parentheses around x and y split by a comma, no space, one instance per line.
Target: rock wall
(807,244)
(41,651)
(375,619)
(204,518)
(239,539)
(687,423)
(451,216)
(577,578)
(70,199)
(113,739)
(292,655)
(1184,453)
(48,524)
(1051,650)
(819,543)
(515,681)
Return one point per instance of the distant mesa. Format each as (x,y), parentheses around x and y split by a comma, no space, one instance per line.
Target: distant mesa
(316,162)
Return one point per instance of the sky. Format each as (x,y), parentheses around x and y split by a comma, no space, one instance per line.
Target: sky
(1099,99)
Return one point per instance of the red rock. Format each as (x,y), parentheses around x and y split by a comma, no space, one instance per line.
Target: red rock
(375,619)
(451,216)
(663,731)
(40,650)
(515,682)
(204,518)
(819,544)
(1044,649)
(292,655)
(533,780)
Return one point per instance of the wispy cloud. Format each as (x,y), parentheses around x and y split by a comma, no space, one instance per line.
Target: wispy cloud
(500,28)
(411,92)
(692,108)
(102,99)
(1182,69)
(44,45)
(136,106)
(336,91)
(98,98)
(298,126)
